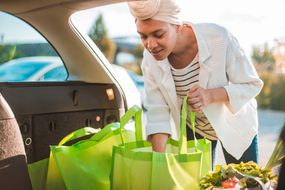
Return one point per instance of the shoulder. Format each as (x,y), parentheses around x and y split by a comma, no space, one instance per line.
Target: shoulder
(210,28)
(212,31)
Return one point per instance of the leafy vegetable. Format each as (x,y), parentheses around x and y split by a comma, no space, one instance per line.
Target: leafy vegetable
(224,175)
(277,155)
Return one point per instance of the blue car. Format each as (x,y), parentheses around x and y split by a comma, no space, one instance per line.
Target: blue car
(41,68)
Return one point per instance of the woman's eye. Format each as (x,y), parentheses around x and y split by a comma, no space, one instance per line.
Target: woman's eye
(143,37)
(159,35)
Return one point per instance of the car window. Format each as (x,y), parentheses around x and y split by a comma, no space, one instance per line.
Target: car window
(25,55)
(120,45)
(118,41)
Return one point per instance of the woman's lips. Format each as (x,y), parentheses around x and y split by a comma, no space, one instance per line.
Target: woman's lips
(155,52)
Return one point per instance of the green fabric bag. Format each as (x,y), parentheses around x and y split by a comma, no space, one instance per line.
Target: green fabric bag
(44,173)
(136,167)
(54,179)
(38,173)
(87,163)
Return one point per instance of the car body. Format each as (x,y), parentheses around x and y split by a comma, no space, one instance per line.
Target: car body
(46,111)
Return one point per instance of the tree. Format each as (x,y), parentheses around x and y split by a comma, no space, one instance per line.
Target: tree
(7,53)
(263,57)
(138,53)
(98,33)
(277,98)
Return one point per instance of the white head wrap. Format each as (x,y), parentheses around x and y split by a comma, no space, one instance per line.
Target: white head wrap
(161,10)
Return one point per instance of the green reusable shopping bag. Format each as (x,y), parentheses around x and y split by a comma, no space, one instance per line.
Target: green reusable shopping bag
(136,167)
(38,171)
(87,163)
(54,179)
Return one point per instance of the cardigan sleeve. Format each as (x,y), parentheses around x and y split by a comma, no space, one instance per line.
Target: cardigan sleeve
(244,83)
(158,111)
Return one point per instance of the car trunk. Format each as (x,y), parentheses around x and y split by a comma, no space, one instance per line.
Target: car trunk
(48,111)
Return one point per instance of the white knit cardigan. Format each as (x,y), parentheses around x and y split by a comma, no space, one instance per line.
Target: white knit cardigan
(222,64)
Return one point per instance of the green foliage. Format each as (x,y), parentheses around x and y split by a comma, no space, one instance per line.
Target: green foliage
(277,155)
(138,52)
(277,100)
(98,30)
(98,33)
(35,49)
(12,51)
(263,57)
(7,53)
(263,98)
(272,94)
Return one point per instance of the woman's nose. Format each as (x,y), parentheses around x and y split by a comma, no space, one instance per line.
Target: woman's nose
(151,44)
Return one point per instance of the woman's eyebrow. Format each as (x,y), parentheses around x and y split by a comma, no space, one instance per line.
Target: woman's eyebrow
(156,31)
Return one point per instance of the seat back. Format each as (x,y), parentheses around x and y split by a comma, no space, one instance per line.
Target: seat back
(13,165)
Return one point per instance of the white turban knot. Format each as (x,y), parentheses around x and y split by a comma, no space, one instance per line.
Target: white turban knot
(161,10)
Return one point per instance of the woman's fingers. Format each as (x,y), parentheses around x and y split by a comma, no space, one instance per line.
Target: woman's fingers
(193,101)
(199,109)
(194,88)
(195,98)
(193,92)
(196,104)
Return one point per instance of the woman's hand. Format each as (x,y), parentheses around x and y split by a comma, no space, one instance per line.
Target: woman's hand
(199,97)
(159,141)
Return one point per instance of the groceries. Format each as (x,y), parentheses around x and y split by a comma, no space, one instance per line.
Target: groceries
(237,176)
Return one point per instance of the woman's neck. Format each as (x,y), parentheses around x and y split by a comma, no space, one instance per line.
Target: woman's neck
(185,50)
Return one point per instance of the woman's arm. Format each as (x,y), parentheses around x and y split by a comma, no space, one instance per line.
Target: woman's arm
(158,127)
(159,141)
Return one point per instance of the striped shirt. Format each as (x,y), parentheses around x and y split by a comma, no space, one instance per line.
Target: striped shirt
(184,79)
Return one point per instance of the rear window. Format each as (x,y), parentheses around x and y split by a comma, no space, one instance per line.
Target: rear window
(25,55)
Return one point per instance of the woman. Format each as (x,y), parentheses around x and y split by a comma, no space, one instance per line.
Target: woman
(205,63)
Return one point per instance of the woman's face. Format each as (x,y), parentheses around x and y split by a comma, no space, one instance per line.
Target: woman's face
(159,38)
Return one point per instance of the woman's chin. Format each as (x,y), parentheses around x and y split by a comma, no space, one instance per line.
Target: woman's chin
(159,56)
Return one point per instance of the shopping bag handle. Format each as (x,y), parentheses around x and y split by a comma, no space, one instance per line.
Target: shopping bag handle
(105,131)
(134,111)
(77,134)
(183,137)
(193,123)
(183,132)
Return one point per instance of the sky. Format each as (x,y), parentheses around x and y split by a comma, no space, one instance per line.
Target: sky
(253,22)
